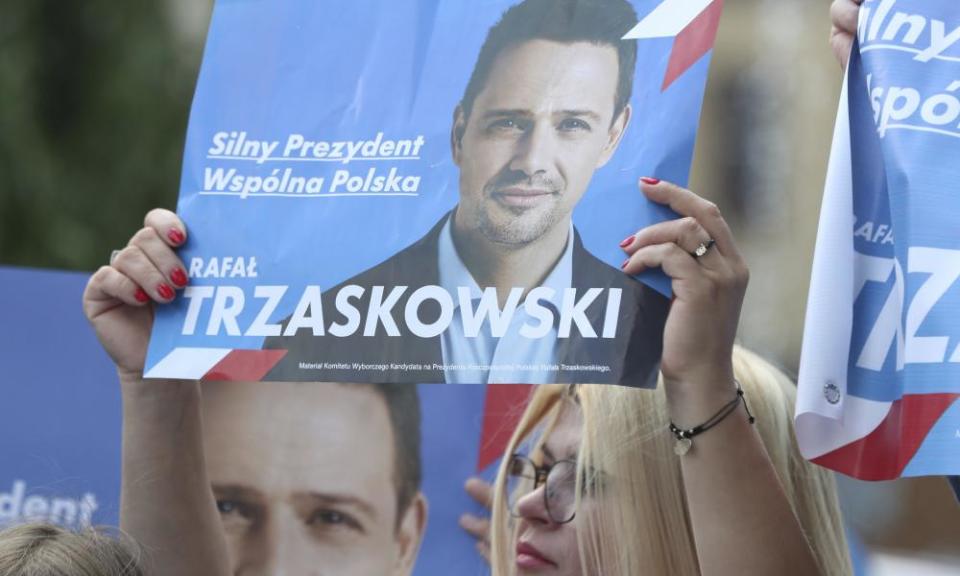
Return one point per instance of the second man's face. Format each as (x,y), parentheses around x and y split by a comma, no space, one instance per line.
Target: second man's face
(303,477)
(538,129)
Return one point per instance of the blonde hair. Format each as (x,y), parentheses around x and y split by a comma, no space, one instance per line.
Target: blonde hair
(42,549)
(641,526)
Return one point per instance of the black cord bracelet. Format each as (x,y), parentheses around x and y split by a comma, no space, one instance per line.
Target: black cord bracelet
(685,437)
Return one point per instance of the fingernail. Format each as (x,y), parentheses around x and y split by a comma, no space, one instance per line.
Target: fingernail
(175,236)
(649,180)
(624,265)
(165,291)
(627,241)
(179,277)
(140,295)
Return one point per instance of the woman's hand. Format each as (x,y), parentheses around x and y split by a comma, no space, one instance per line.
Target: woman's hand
(707,289)
(843,17)
(476,526)
(117,298)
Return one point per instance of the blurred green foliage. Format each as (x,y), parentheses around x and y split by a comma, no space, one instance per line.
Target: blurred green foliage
(94,98)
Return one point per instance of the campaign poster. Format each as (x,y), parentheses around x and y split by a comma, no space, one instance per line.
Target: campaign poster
(417,191)
(59,405)
(60,436)
(880,369)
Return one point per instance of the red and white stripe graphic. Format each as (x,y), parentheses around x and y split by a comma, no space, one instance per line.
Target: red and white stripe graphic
(216,364)
(693,25)
(872,448)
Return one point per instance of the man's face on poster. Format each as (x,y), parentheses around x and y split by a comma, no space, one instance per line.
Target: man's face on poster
(539,127)
(303,474)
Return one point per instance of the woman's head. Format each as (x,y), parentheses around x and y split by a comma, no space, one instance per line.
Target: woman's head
(630,513)
(42,549)
(541,490)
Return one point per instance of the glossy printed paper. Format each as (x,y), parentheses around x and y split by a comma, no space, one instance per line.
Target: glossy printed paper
(371,198)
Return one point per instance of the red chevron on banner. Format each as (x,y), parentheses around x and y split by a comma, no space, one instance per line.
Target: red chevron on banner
(692,24)
(885,452)
(695,40)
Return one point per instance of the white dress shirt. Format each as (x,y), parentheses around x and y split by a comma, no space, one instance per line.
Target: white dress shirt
(510,358)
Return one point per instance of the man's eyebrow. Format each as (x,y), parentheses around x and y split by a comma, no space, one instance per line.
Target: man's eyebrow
(235,492)
(501,112)
(327,499)
(519,112)
(578,113)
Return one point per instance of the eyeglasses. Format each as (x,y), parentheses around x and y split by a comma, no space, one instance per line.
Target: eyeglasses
(559,479)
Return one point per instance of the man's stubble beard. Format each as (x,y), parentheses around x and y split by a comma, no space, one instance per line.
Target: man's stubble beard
(517,227)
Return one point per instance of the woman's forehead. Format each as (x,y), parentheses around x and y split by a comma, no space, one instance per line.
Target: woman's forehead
(562,440)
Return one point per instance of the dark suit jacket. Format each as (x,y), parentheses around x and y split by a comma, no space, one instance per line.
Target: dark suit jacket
(633,356)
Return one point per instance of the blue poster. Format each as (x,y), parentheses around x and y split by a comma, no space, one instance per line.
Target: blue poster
(60,429)
(880,372)
(424,191)
(60,435)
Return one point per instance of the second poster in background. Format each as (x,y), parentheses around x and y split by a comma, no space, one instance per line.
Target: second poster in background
(268,447)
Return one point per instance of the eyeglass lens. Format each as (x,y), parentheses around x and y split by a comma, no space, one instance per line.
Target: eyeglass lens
(559,490)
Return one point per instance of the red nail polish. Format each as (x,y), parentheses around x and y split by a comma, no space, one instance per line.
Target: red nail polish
(627,241)
(140,295)
(650,181)
(175,236)
(179,277)
(624,265)
(165,291)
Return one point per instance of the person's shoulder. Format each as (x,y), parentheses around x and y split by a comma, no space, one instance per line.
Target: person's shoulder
(592,272)
(415,264)
(586,265)
(590,269)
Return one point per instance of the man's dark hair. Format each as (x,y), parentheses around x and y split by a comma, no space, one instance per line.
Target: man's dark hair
(600,22)
(403,407)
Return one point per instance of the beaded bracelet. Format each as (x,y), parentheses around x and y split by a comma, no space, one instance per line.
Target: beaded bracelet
(685,437)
